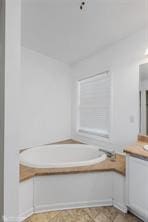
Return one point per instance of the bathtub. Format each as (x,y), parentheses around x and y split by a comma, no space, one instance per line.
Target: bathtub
(60,156)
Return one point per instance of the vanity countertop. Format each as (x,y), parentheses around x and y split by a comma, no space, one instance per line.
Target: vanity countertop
(137,150)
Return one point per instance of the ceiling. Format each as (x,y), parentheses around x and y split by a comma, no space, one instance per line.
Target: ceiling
(59,29)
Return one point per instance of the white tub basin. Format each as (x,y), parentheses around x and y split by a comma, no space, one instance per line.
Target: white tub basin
(59,156)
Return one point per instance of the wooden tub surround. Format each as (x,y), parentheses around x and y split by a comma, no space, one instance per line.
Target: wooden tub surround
(102,184)
(118,166)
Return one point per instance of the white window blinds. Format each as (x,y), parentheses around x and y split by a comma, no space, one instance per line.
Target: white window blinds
(94,105)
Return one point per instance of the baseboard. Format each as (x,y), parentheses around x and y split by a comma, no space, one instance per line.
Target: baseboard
(66,206)
(138,214)
(14,219)
(26,214)
(120,207)
(71,205)
(10,219)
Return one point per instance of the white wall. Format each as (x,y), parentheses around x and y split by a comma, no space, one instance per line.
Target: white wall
(45,100)
(46,94)
(11,108)
(2,76)
(122,60)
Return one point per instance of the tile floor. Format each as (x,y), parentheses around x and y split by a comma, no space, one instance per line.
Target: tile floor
(100,214)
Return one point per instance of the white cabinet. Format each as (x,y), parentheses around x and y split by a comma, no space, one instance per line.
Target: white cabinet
(137,186)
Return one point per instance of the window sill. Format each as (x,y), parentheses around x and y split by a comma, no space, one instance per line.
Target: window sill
(93,135)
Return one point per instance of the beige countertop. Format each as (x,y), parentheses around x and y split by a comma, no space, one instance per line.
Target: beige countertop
(137,150)
(118,166)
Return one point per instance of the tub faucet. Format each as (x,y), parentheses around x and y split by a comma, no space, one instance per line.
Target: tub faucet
(110,154)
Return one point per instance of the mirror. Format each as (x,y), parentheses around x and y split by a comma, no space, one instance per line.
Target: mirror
(143,99)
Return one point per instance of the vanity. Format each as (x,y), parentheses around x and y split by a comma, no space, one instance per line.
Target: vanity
(137,180)
(137,156)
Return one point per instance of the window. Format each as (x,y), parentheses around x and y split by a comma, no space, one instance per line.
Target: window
(94,105)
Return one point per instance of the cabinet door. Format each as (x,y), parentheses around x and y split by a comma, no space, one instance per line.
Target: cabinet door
(137,185)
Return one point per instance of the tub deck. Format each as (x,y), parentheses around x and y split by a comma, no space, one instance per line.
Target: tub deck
(107,165)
